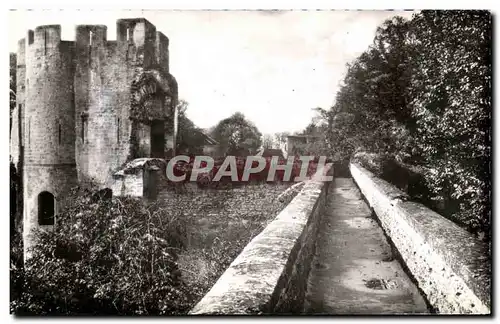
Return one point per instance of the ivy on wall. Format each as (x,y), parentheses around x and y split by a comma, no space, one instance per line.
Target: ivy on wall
(151,99)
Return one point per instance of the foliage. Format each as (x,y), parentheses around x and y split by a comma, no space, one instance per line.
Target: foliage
(370,112)
(12,84)
(421,94)
(236,133)
(105,256)
(125,257)
(204,266)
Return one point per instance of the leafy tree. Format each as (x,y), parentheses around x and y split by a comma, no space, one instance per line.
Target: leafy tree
(16,198)
(14,181)
(236,133)
(451,101)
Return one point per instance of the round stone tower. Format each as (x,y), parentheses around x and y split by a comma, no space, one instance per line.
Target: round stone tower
(49,128)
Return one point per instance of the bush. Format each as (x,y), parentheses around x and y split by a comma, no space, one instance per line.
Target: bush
(110,256)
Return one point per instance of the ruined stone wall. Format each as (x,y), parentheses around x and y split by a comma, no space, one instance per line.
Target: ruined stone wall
(49,109)
(450,265)
(270,275)
(14,147)
(291,290)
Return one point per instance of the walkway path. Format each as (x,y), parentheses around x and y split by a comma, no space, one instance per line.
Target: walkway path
(353,271)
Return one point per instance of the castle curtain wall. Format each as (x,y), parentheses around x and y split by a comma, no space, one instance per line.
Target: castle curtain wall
(105,73)
(49,132)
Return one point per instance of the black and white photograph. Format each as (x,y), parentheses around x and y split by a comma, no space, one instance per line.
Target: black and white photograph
(200,163)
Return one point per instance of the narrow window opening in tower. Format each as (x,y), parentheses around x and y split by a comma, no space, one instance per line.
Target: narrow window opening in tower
(46,208)
(29,131)
(118,130)
(90,37)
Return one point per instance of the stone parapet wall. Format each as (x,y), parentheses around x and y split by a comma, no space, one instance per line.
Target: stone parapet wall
(450,265)
(270,274)
(139,178)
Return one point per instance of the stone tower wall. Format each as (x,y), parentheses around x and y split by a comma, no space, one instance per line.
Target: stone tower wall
(73,120)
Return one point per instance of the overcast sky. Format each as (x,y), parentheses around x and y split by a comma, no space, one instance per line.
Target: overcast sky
(271,66)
